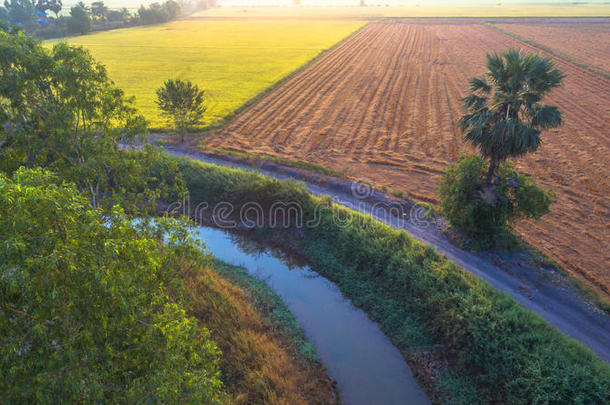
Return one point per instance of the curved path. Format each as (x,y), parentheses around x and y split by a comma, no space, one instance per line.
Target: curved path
(545,292)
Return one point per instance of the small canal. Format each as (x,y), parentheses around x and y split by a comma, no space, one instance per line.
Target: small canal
(368,369)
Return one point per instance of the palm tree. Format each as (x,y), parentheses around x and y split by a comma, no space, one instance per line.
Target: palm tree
(504,115)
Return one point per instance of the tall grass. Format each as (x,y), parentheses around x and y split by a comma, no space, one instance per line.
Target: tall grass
(495,351)
(265,357)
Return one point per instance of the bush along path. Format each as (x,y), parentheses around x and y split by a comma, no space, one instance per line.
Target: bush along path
(530,281)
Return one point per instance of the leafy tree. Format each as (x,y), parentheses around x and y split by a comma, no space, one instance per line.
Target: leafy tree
(20,12)
(99,10)
(80,20)
(125,13)
(173,9)
(482,215)
(505,116)
(182,102)
(90,303)
(60,110)
(159,13)
(53,5)
(119,15)
(154,14)
(4,21)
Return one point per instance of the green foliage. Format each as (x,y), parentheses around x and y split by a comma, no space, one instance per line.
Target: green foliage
(99,10)
(499,352)
(79,21)
(85,308)
(60,110)
(505,116)
(159,13)
(182,102)
(122,15)
(20,12)
(51,5)
(485,213)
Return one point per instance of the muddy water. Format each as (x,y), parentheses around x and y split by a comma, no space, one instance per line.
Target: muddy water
(368,369)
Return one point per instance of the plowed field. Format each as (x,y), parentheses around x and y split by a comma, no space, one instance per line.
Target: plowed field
(383,106)
(588,44)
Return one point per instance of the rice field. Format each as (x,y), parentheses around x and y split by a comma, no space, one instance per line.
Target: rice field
(232,60)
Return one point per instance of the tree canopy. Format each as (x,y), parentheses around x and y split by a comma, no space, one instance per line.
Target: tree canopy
(182,102)
(52,5)
(99,10)
(61,111)
(90,302)
(504,114)
(80,20)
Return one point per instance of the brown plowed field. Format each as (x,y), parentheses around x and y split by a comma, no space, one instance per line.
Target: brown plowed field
(585,43)
(383,105)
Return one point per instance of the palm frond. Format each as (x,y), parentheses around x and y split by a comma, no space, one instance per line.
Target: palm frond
(474,103)
(479,84)
(546,116)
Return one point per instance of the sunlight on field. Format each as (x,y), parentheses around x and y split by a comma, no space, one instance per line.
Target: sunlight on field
(232,60)
(537,10)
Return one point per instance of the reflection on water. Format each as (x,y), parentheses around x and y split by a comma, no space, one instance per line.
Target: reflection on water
(368,369)
(255,248)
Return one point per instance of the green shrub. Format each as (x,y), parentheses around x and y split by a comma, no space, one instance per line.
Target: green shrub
(485,213)
(85,311)
(498,351)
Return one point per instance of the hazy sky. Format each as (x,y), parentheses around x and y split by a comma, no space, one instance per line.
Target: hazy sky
(394,2)
(137,3)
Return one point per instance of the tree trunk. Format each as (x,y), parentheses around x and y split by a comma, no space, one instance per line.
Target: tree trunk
(493,164)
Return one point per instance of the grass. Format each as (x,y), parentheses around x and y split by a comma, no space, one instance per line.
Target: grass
(265,357)
(515,10)
(254,158)
(484,346)
(600,303)
(273,310)
(233,61)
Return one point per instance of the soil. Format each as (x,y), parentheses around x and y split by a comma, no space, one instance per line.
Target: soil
(586,43)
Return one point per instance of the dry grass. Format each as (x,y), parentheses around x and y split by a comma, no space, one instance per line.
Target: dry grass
(258,367)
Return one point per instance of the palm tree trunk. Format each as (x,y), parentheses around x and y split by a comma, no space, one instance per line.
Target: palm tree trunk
(493,164)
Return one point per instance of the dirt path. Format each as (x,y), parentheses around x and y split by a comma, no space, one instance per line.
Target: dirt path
(544,291)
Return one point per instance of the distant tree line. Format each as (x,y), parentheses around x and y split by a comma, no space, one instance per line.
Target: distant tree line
(44,19)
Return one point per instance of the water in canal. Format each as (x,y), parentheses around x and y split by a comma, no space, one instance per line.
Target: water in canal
(368,369)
